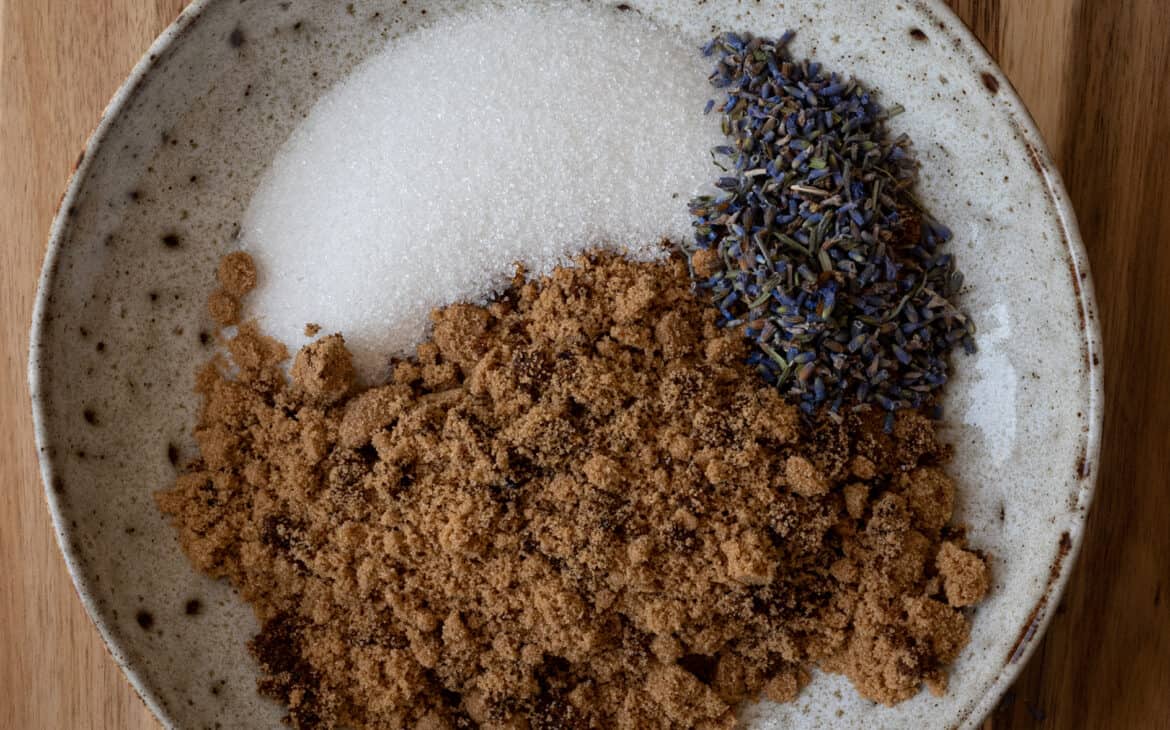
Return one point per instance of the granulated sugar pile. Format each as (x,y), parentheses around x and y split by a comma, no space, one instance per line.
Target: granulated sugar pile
(520,135)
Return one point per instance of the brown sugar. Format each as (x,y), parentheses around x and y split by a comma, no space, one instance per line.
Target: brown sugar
(706,262)
(964,575)
(575,507)
(223,308)
(237,276)
(324,370)
(237,273)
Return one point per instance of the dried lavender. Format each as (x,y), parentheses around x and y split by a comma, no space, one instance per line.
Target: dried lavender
(816,245)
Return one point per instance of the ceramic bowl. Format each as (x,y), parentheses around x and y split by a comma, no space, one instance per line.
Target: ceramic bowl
(162,184)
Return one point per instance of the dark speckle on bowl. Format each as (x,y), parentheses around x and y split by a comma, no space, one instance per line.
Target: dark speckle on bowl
(171,240)
(990,82)
(145,619)
(236,38)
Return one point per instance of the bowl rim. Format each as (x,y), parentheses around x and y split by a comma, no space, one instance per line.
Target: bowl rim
(1069,548)
(109,117)
(950,24)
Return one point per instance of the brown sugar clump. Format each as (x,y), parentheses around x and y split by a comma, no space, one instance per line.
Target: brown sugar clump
(237,276)
(965,577)
(575,507)
(804,478)
(706,262)
(237,273)
(324,369)
(932,495)
(223,308)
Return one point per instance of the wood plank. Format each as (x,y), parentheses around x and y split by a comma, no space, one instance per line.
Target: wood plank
(60,61)
(1095,75)
(1093,72)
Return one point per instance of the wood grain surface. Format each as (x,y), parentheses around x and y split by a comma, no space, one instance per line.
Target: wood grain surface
(1096,75)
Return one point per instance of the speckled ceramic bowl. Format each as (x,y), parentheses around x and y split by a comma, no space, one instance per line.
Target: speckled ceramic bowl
(161,186)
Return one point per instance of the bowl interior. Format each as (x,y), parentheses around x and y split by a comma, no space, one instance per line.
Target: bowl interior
(120,324)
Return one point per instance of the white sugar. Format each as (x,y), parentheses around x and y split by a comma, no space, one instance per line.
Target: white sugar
(520,135)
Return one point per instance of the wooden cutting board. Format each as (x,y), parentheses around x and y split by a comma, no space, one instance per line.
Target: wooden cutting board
(1096,75)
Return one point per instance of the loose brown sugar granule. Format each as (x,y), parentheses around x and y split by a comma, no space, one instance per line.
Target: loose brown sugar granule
(237,273)
(312,329)
(575,507)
